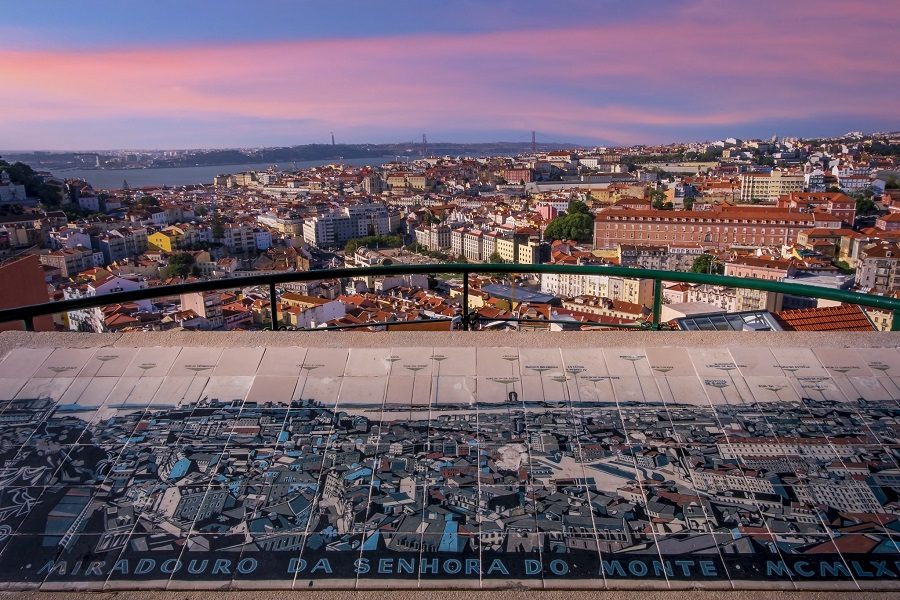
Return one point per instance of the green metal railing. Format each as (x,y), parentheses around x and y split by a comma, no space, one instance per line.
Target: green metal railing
(27,314)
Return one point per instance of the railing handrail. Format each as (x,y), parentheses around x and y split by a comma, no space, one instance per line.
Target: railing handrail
(29,312)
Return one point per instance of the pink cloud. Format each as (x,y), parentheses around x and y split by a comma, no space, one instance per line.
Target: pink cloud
(605,82)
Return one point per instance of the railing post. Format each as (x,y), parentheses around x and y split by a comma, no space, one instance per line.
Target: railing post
(273,301)
(465,301)
(657,303)
(29,323)
(895,319)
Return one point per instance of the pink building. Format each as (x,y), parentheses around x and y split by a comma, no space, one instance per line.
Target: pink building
(547,213)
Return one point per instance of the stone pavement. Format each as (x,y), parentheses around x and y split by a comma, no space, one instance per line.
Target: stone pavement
(307,462)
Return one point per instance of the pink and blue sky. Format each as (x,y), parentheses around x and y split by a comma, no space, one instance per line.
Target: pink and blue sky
(187,74)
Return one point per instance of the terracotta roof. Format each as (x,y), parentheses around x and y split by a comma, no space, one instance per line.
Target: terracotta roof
(767,263)
(850,544)
(733,213)
(846,317)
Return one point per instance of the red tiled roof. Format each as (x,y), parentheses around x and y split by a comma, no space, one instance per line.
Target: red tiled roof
(846,317)
(850,544)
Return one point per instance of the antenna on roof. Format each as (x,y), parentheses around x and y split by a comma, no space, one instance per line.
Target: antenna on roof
(332,138)
(424,146)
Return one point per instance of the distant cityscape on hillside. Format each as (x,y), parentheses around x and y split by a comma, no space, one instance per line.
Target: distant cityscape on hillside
(819,212)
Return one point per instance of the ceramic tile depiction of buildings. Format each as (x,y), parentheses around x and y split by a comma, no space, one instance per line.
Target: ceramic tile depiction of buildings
(298,467)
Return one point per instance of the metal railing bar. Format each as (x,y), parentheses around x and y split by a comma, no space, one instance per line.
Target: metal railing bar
(270,279)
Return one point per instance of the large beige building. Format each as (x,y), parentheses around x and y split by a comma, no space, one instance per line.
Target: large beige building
(624,289)
(768,187)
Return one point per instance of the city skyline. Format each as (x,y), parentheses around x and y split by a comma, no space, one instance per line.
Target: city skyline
(591,73)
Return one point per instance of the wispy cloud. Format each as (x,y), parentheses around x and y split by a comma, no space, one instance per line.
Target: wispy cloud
(612,83)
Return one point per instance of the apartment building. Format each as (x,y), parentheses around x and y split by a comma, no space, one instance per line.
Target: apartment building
(433,237)
(620,289)
(286,224)
(734,299)
(877,269)
(207,306)
(516,175)
(755,267)
(532,252)
(768,187)
(124,242)
(505,247)
(471,245)
(239,238)
(357,220)
(169,239)
(854,183)
(489,244)
(22,231)
(71,261)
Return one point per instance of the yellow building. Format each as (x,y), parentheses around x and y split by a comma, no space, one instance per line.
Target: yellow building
(526,251)
(506,248)
(529,253)
(167,240)
(292,299)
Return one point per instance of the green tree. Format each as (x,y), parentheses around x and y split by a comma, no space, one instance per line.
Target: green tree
(148,201)
(495,257)
(578,207)
(383,241)
(218,228)
(658,199)
(22,174)
(577,226)
(865,206)
(181,265)
(707,263)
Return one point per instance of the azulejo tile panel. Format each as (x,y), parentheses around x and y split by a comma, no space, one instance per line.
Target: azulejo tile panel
(297,468)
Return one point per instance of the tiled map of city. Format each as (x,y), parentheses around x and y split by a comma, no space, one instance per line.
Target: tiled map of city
(290,467)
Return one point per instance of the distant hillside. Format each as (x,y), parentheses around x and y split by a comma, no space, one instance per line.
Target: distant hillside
(307,152)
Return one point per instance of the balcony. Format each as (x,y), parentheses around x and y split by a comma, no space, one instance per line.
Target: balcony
(596,460)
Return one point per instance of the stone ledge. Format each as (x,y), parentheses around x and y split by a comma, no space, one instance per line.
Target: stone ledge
(325,339)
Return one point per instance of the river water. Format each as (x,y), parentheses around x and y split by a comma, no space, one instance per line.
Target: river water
(106,179)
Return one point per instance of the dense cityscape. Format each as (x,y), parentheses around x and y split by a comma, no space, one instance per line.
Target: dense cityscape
(819,212)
